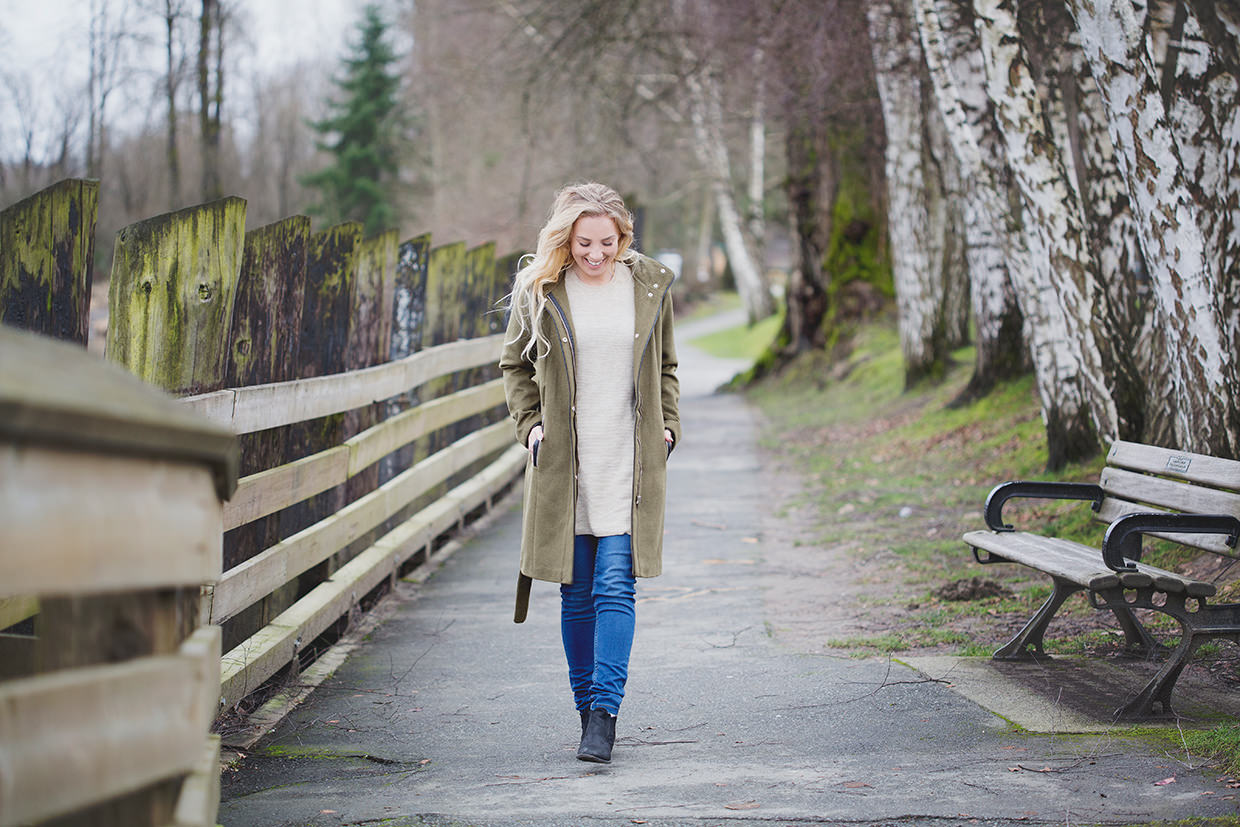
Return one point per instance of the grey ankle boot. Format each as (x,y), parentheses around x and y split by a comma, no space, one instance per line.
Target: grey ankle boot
(599,737)
(585,717)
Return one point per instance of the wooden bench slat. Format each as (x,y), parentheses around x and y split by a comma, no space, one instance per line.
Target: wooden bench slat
(1198,468)
(1170,494)
(1079,563)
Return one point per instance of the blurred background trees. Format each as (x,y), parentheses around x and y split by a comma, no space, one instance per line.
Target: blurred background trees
(1057,182)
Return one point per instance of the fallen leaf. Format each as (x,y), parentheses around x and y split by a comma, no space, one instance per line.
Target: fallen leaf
(855,785)
(1013,769)
(749,539)
(1165,782)
(325,812)
(742,805)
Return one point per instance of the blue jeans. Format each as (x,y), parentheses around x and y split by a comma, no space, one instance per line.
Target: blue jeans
(597,618)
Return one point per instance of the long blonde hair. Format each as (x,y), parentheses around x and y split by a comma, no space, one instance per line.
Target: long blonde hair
(540,271)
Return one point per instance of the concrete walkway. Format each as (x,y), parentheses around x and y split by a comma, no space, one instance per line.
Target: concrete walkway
(453,715)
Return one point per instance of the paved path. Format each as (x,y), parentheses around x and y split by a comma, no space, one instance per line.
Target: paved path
(453,715)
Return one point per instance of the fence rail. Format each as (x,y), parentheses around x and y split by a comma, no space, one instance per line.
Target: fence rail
(358,375)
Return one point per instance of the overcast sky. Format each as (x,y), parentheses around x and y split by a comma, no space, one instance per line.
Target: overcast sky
(43,46)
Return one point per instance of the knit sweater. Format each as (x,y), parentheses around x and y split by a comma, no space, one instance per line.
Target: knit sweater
(603,322)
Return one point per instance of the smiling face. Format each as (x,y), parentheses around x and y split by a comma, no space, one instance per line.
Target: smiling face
(594,243)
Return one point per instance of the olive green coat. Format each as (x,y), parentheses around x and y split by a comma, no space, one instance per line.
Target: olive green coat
(542,392)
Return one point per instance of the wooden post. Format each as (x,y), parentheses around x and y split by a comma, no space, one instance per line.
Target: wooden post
(47,250)
(266,328)
(331,272)
(370,342)
(408,316)
(170,308)
(170,300)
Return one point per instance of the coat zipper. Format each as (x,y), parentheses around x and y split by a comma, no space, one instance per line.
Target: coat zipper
(572,403)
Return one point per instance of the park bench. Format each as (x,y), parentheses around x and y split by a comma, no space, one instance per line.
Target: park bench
(1191,499)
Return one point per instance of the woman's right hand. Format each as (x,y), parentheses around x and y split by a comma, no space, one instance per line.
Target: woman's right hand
(536,435)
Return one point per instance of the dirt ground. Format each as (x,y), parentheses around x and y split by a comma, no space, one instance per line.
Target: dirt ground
(867,563)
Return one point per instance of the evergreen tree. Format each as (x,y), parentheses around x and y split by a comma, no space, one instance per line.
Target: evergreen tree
(362,132)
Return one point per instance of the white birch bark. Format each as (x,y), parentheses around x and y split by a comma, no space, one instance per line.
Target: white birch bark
(914,193)
(1062,271)
(757,157)
(1204,115)
(1114,238)
(953,57)
(710,146)
(1183,274)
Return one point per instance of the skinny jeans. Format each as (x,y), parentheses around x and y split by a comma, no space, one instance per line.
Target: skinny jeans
(597,619)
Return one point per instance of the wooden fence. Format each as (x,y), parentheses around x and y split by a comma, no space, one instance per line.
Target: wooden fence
(358,373)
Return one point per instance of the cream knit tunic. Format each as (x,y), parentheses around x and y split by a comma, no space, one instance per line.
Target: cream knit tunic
(603,321)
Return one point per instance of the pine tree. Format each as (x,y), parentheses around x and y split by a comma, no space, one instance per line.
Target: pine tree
(362,132)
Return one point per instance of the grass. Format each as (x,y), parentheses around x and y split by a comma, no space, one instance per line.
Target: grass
(743,341)
(900,475)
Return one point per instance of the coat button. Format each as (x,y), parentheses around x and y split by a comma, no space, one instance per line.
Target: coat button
(661,270)
(651,295)
(563,338)
(635,335)
(656,284)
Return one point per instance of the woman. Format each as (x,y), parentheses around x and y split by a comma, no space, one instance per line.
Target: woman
(589,369)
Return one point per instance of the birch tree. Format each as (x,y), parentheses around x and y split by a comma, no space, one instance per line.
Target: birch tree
(954,60)
(1073,318)
(1186,274)
(915,191)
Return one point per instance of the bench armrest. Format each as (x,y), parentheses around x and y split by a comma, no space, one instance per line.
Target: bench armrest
(1046,490)
(1123,537)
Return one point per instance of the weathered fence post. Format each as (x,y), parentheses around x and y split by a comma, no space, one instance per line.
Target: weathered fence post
(408,317)
(47,250)
(170,300)
(370,338)
(331,272)
(266,328)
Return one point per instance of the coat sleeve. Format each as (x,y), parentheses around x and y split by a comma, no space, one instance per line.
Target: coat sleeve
(669,384)
(520,389)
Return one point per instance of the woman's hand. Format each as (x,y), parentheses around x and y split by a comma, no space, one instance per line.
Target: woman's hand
(668,438)
(536,435)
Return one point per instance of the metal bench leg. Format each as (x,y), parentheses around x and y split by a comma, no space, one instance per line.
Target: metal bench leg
(1158,691)
(1139,641)
(1027,645)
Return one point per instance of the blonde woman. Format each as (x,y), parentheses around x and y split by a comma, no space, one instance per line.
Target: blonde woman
(589,368)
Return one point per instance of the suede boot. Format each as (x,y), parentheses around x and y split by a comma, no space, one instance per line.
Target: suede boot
(599,737)
(585,717)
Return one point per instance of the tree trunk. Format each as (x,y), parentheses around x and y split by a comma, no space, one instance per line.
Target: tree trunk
(953,57)
(812,182)
(1075,319)
(1201,89)
(915,195)
(1176,229)
(948,244)
(711,148)
(209,31)
(171,81)
(757,159)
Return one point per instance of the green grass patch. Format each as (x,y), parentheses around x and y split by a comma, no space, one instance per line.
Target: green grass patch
(717,302)
(1221,743)
(743,341)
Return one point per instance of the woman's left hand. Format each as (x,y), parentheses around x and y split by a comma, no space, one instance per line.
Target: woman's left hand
(667,436)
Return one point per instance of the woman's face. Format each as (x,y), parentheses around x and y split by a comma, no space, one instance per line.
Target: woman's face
(594,242)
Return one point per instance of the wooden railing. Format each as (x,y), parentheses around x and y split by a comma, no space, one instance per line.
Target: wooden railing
(358,375)
(110,517)
(247,410)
